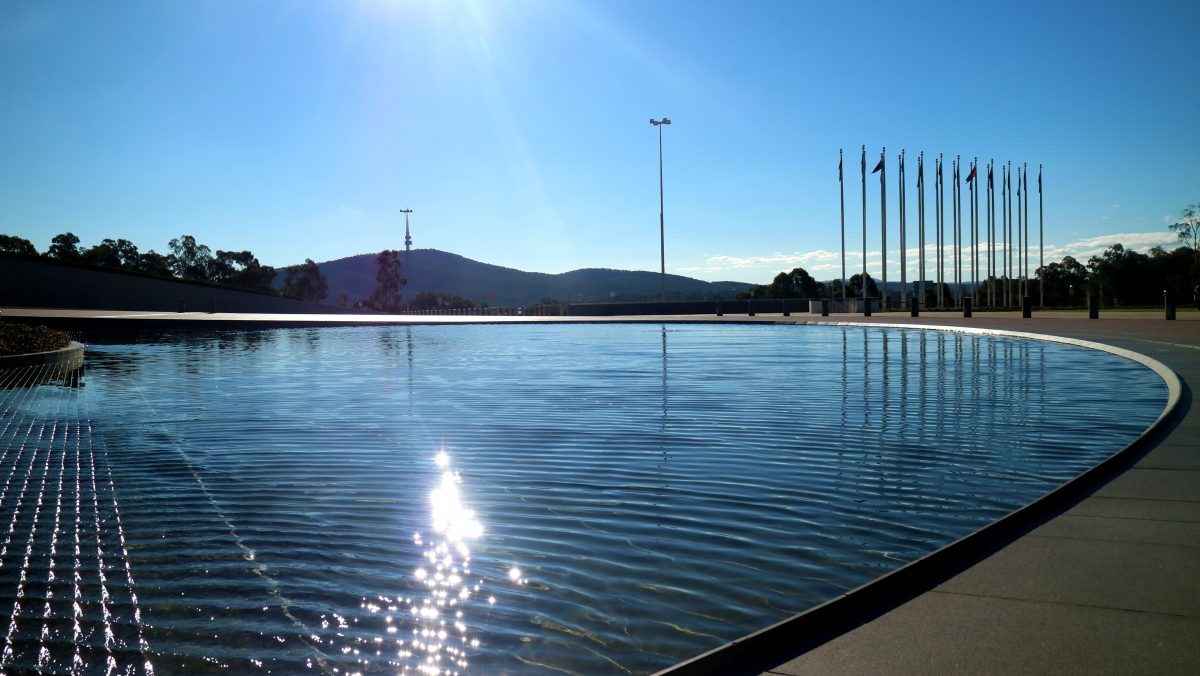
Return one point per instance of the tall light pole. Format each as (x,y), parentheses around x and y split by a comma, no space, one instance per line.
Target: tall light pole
(662,238)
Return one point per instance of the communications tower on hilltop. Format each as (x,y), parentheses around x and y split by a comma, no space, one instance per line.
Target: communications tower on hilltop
(407,237)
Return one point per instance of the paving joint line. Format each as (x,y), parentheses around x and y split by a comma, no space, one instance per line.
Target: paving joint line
(1064,604)
(1117,541)
(1127,518)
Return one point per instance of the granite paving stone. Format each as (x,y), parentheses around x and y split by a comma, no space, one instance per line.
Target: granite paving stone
(941,633)
(1109,529)
(1124,575)
(1156,484)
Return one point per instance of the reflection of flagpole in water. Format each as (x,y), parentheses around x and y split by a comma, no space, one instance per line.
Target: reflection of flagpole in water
(866,366)
(883,393)
(845,382)
(922,377)
(903,375)
(662,435)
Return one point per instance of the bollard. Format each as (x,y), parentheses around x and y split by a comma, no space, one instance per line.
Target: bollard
(783,303)
(914,307)
(1169,303)
(966,302)
(824,307)
(866,307)
(1093,307)
(750,308)
(1026,307)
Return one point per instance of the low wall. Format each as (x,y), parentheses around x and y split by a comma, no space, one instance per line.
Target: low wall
(31,282)
(70,356)
(690,307)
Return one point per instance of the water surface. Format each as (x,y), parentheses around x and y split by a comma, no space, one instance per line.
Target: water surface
(581,499)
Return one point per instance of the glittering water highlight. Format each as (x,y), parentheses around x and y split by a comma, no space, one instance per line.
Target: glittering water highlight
(600,499)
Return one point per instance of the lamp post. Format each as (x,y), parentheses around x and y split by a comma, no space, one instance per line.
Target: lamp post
(662,241)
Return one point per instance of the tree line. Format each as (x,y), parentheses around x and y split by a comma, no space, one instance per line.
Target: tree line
(1117,276)
(186,260)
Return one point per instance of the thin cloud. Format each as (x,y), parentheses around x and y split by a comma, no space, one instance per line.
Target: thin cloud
(825,264)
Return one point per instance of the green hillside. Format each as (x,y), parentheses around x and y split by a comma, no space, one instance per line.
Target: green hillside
(441,272)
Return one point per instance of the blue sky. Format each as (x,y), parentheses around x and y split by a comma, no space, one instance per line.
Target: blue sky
(518,131)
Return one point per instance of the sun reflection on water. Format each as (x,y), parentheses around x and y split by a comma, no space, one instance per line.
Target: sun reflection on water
(440,640)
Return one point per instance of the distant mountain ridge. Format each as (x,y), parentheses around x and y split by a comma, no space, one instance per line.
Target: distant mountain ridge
(434,271)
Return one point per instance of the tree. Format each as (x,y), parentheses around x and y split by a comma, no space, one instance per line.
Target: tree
(306,281)
(795,284)
(110,253)
(1173,271)
(1187,229)
(241,268)
(1124,275)
(64,247)
(854,285)
(931,294)
(388,281)
(17,245)
(192,261)
(440,301)
(154,263)
(1065,282)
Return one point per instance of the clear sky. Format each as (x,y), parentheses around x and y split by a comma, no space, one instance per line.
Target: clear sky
(518,130)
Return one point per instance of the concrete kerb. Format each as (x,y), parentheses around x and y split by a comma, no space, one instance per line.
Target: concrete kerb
(802,632)
(71,356)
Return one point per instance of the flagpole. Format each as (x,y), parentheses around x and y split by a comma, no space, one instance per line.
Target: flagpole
(1041,245)
(1025,173)
(903,238)
(883,306)
(1020,240)
(864,215)
(958,227)
(939,211)
(953,227)
(975,240)
(991,202)
(842,193)
(974,206)
(921,222)
(1004,231)
(1011,240)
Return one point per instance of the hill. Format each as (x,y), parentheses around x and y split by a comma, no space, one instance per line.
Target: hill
(436,271)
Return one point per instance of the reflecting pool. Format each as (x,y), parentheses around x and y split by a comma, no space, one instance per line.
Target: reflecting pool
(579,499)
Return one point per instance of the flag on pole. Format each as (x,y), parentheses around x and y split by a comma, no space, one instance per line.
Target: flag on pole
(971,176)
(878,166)
(990,184)
(839,170)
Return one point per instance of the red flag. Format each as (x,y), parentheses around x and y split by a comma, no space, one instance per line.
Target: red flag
(971,176)
(878,166)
